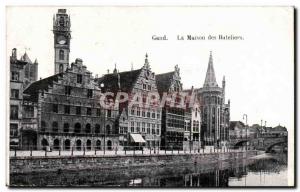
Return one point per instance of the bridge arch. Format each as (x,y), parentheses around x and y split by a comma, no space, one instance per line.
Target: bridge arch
(268,149)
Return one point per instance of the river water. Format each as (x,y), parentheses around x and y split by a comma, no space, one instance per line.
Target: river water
(269,170)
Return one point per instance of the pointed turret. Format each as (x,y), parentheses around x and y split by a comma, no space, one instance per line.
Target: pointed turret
(146,61)
(115,70)
(210,79)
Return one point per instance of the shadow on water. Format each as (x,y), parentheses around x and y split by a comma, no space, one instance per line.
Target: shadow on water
(222,174)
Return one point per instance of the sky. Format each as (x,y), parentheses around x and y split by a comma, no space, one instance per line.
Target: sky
(258,69)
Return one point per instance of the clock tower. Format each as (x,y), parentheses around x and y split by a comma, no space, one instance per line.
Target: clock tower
(62,36)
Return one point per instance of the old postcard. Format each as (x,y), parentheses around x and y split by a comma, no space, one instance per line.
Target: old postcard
(153,96)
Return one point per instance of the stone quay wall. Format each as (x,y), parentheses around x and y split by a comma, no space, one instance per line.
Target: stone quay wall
(41,164)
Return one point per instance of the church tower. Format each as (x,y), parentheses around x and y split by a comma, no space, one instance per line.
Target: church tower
(62,36)
(214,111)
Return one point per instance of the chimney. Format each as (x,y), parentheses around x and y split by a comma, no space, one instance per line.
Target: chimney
(14,53)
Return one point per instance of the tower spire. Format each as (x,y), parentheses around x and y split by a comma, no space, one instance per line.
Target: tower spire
(210,79)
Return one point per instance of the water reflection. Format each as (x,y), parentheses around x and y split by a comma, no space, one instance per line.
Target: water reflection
(269,171)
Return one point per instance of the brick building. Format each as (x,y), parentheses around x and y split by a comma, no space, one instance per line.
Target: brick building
(139,125)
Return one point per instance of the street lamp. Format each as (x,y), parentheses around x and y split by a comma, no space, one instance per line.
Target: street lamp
(246,116)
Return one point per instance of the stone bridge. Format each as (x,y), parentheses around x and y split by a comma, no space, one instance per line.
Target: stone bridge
(261,143)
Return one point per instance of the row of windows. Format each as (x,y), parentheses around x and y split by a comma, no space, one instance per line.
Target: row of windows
(138,127)
(78,144)
(78,110)
(143,113)
(145,86)
(77,128)
(68,91)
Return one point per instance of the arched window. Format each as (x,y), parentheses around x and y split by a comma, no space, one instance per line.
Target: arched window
(88,128)
(66,127)
(61,55)
(109,145)
(67,144)
(97,128)
(108,131)
(61,68)
(55,126)
(98,145)
(77,128)
(56,144)
(78,145)
(88,144)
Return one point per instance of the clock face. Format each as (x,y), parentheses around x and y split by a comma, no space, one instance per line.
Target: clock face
(61,40)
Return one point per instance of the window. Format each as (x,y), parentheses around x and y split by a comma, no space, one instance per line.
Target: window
(132,127)
(158,115)
(61,68)
(28,111)
(153,115)
(138,125)
(144,86)
(97,128)
(14,110)
(77,128)
(90,93)
(143,127)
(98,112)
(148,128)
(67,109)
(108,113)
(88,128)
(148,114)
(55,126)
(121,130)
(132,111)
(55,108)
(149,87)
(61,55)
(138,112)
(153,129)
(79,78)
(88,111)
(14,93)
(66,127)
(78,110)
(67,90)
(13,130)
(15,76)
(143,113)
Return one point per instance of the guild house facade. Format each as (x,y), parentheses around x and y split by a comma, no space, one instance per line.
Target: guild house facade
(64,111)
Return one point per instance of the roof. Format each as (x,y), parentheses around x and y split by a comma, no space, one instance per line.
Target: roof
(210,78)
(163,81)
(279,128)
(33,89)
(126,79)
(26,58)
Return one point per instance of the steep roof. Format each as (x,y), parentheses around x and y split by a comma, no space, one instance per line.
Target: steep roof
(26,58)
(33,89)
(163,81)
(126,79)
(210,78)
